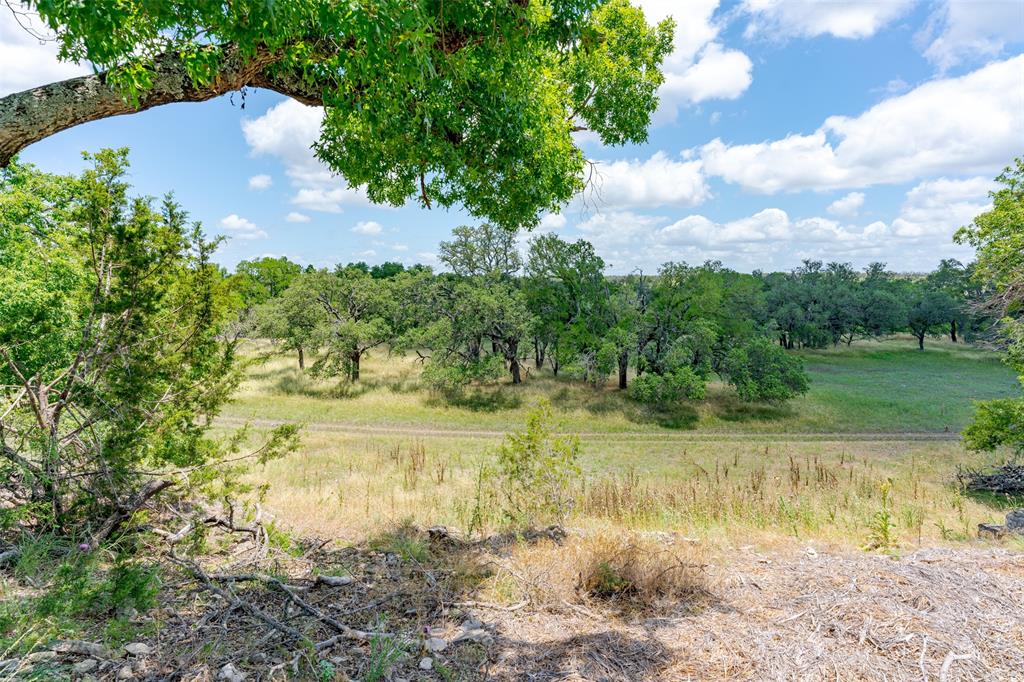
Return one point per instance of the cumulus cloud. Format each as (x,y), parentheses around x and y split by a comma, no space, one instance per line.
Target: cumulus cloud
(959,125)
(700,67)
(811,18)
(657,181)
(296,217)
(368,227)
(241,228)
(848,206)
(965,29)
(287,131)
(28,53)
(915,239)
(936,208)
(260,182)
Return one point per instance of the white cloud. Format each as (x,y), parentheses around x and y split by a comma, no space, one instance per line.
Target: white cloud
(399,247)
(328,200)
(965,29)
(260,182)
(550,222)
(657,181)
(368,227)
(718,73)
(970,124)
(25,60)
(296,217)
(287,131)
(915,239)
(369,253)
(847,206)
(781,19)
(241,228)
(700,67)
(427,257)
(936,208)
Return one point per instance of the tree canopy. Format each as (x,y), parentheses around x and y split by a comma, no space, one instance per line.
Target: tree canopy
(471,103)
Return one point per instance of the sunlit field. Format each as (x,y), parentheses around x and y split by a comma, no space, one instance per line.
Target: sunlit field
(878,415)
(873,387)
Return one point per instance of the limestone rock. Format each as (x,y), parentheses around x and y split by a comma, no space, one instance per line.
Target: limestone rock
(426,663)
(1015,521)
(229,673)
(138,649)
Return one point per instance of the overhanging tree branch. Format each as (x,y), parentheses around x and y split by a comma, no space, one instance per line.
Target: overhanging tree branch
(32,115)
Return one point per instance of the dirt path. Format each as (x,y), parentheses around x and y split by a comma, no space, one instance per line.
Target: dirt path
(348,428)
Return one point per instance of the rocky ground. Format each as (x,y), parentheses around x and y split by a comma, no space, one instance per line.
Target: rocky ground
(414,608)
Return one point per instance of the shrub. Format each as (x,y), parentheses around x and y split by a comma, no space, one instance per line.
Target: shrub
(679,384)
(762,371)
(639,571)
(536,470)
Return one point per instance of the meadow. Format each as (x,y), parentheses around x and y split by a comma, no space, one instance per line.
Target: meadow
(867,458)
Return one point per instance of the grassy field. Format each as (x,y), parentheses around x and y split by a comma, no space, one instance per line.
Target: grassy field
(876,387)
(388,451)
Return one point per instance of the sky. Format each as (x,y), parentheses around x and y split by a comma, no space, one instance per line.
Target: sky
(851,131)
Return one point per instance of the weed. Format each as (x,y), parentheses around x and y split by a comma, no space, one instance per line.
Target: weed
(881,527)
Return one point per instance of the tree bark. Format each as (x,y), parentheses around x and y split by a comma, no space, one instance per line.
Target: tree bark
(353,373)
(952,331)
(302,359)
(32,115)
(623,368)
(920,341)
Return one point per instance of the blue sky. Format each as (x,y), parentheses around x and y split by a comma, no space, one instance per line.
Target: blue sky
(789,129)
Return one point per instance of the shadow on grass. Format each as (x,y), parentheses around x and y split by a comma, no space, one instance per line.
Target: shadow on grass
(482,399)
(1002,502)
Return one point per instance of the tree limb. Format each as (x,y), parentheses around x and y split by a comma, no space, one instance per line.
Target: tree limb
(32,115)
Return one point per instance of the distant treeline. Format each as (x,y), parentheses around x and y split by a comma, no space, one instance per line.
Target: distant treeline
(493,314)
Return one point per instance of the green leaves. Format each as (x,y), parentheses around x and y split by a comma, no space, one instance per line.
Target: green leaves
(762,371)
(469,103)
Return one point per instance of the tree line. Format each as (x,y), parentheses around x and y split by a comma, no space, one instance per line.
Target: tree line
(495,312)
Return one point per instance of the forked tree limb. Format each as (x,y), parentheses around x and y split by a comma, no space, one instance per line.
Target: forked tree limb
(125,511)
(32,115)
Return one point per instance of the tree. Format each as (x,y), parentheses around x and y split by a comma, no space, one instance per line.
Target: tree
(998,237)
(386,270)
(928,311)
(761,371)
(569,293)
(270,275)
(355,319)
(954,279)
(484,251)
(471,102)
(294,319)
(111,362)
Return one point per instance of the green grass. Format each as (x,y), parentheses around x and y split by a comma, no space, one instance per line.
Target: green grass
(887,387)
(719,469)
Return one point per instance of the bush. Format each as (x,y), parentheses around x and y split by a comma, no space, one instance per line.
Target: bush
(536,470)
(639,571)
(654,389)
(762,371)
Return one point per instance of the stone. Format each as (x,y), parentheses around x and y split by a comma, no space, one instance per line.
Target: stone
(478,635)
(41,657)
(435,644)
(991,530)
(83,667)
(426,663)
(229,673)
(138,649)
(335,580)
(80,648)
(125,673)
(1015,521)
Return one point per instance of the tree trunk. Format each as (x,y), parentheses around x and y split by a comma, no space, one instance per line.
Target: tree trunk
(354,363)
(302,359)
(32,115)
(517,377)
(952,331)
(920,341)
(538,353)
(623,368)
